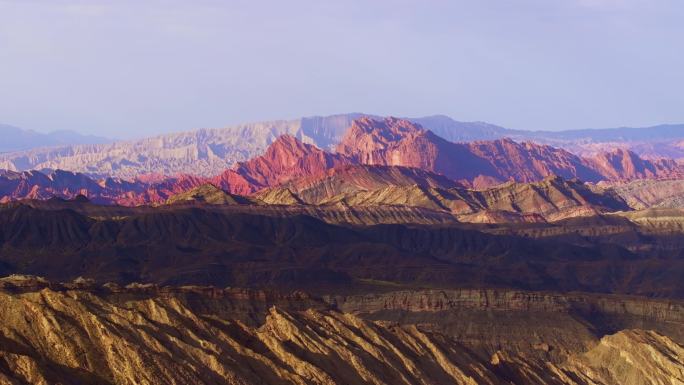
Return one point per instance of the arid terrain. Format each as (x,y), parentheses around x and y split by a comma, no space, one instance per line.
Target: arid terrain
(341,192)
(382,253)
(80,333)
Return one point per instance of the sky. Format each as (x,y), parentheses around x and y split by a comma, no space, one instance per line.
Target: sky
(132,68)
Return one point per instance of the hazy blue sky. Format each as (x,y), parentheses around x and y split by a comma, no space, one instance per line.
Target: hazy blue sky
(130,68)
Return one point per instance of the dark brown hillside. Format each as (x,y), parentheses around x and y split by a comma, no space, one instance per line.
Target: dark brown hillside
(201,246)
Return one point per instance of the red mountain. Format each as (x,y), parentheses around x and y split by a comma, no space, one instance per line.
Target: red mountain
(402,143)
(621,165)
(372,143)
(232,182)
(529,162)
(397,142)
(285,159)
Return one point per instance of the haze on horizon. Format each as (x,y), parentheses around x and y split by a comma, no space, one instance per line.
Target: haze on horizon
(134,68)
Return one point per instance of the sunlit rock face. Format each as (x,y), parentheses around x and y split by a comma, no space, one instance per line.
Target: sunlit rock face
(400,142)
(70,334)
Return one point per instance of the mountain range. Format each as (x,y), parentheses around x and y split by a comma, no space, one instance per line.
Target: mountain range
(379,252)
(17,139)
(388,162)
(207,152)
(214,287)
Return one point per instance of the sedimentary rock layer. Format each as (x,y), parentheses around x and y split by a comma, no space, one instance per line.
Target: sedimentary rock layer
(77,337)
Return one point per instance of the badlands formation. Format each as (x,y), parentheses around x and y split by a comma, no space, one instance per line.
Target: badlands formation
(345,250)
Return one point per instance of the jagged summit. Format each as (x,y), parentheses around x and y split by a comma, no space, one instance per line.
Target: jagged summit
(288,158)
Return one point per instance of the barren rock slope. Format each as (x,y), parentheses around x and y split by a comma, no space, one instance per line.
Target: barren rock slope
(76,337)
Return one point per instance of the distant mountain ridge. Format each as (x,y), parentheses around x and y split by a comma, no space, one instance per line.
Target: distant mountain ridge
(389,162)
(208,152)
(204,152)
(399,142)
(17,139)
(630,134)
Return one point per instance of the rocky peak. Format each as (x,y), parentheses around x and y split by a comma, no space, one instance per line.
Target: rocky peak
(287,147)
(402,143)
(288,158)
(367,137)
(388,129)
